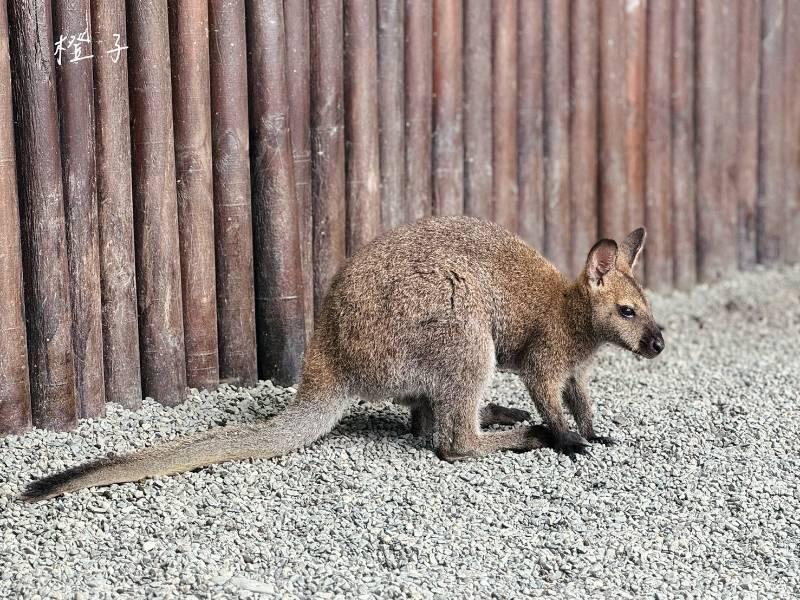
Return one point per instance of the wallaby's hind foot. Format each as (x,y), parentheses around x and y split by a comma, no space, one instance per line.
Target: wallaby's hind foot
(569,443)
(519,439)
(605,440)
(494,414)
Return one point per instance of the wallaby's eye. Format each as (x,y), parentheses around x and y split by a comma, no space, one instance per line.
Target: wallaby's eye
(626,312)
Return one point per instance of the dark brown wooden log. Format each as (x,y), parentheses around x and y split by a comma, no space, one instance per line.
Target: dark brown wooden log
(363,173)
(658,257)
(504,113)
(191,106)
(530,122)
(613,201)
(791,226)
(749,54)
(391,111)
(556,134)
(635,126)
(44,244)
(115,205)
(478,108)
(233,226)
(298,75)
(15,397)
(419,88)
(684,227)
(327,143)
(72,20)
(583,129)
(448,91)
(158,268)
(280,322)
(771,207)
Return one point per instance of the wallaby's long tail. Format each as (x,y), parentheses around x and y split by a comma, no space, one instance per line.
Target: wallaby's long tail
(301,423)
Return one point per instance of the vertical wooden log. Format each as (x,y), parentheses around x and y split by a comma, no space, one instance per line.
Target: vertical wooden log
(772,192)
(15,398)
(191,105)
(280,323)
(75,98)
(583,130)
(635,126)
(709,139)
(556,134)
(504,113)
(684,227)
(361,123)
(448,135)
(44,245)
(717,141)
(158,267)
(298,74)
(327,143)
(419,86)
(791,226)
(478,108)
(391,111)
(115,205)
(530,115)
(658,258)
(749,54)
(613,201)
(233,226)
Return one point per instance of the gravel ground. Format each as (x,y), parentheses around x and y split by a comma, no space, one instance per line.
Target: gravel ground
(701,498)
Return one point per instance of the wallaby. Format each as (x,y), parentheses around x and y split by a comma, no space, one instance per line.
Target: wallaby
(424,314)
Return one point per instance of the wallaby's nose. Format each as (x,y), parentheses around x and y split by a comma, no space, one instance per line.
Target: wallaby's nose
(657,344)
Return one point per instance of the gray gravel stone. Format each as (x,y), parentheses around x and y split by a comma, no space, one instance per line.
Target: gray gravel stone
(699,500)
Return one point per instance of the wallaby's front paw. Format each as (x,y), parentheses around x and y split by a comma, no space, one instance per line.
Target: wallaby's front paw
(606,440)
(571,444)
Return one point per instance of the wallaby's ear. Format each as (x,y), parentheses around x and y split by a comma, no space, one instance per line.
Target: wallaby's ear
(632,246)
(602,259)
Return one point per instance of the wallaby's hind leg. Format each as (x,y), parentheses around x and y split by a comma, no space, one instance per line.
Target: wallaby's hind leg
(494,414)
(457,433)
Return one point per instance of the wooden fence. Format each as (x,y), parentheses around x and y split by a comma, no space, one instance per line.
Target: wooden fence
(180,181)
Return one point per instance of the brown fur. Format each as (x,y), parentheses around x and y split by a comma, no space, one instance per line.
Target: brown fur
(425,314)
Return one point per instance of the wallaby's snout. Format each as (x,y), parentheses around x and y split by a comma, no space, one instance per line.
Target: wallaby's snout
(652,343)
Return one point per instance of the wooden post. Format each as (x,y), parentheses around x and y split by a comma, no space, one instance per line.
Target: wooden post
(635,126)
(478,108)
(44,245)
(15,398)
(658,257)
(448,136)
(419,85)
(684,228)
(361,123)
(749,52)
(327,143)
(391,111)
(233,226)
(280,323)
(75,99)
(583,130)
(298,75)
(530,115)
(556,134)
(115,205)
(191,105)
(158,267)
(613,201)
(504,113)
(772,192)
(791,225)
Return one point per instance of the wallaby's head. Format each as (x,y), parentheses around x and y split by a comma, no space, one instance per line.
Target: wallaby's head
(620,310)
